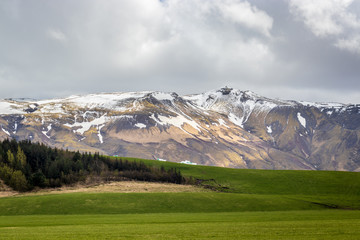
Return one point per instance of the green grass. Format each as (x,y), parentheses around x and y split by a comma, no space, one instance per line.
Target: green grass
(258,204)
(125,203)
(331,188)
(325,224)
(272,181)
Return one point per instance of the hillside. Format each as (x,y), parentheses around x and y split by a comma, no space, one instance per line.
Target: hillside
(231,190)
(225,127)
(257,204)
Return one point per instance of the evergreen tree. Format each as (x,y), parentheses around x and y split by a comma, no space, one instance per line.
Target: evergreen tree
(24,165)
(11,158)
(18,181)
(20,158)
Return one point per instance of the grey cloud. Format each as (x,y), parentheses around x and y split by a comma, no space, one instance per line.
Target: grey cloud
(53,49)
(330,19)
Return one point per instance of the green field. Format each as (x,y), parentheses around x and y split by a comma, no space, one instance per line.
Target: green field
(324,224)
(255,204)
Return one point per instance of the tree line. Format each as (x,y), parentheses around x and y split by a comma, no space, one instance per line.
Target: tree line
(25,165)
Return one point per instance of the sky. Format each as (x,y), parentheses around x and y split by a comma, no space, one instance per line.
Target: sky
(287,49)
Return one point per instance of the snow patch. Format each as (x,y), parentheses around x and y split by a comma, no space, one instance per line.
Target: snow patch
(177,121)
(15,127)
(301,119)
(222,123)
(85,126)
(236,120)
(163,96)
(46,132)
(99,133)
(269,130)
(140,125)
(52,109)
(9,108)
(322,105)
(104,100)
(5,131)
(188,162)
(112,101)
(204,100)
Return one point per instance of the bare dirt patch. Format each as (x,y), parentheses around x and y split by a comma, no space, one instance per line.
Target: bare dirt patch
(112,187)
(5,191)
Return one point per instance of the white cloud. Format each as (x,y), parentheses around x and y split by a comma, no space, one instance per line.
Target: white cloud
(246,14)
(125,42)
(57,35)
(329,19)
(186,35)
(325,17)
(351,44)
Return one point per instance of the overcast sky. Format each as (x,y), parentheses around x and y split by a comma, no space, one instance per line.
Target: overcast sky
(288,49)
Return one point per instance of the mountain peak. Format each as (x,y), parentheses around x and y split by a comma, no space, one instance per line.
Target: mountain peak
(225,90)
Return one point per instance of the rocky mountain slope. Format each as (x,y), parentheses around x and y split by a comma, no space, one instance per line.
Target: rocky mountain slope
(224,127)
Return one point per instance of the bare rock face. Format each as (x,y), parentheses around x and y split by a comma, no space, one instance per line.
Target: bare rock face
(226,127)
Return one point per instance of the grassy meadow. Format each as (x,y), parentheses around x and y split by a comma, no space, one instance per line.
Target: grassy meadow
(325,224)
(249,204)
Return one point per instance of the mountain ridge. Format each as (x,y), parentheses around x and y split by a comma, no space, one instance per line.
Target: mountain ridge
(225,127)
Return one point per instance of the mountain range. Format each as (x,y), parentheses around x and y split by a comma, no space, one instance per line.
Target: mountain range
(225,127)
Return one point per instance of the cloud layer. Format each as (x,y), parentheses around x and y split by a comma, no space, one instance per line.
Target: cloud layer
(332,19)
(295,50)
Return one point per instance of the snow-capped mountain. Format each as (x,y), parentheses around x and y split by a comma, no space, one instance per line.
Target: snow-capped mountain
(225,127)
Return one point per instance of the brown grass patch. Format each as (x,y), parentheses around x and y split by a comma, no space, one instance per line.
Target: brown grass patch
(5,191)
(112,187)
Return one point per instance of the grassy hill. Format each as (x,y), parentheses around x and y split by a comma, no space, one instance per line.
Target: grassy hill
(272,181)
(249,204)
(328,188)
